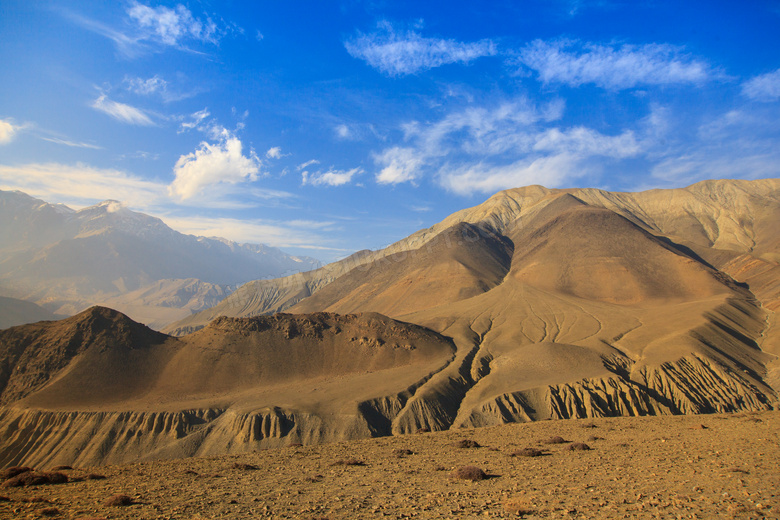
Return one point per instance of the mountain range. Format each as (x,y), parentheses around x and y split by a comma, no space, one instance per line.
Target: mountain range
(537,304)
(66,260)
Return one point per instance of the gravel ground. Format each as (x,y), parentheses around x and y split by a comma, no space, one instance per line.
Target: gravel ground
(707,466)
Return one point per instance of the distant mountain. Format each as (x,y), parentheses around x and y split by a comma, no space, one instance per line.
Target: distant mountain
(68,260)
(17,312)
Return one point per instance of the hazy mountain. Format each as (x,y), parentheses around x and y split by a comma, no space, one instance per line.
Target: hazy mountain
(538,304)
(67,260)
(17,312)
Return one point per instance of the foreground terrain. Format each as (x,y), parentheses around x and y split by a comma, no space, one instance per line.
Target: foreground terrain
(706,466)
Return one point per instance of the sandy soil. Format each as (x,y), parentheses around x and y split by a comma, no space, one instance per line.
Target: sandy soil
(711,466)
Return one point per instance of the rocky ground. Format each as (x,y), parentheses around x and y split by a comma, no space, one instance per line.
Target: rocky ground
(707,466)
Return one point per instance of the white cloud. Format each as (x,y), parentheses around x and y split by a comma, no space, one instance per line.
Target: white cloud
(343,131)
(81,185)
(550,171)
(275,153)
(212,164)
(331,177)
(399,165)
(7,131)
(146,87)
(574,63)
(122,112)
(397,54)
(765,87)
(584,141)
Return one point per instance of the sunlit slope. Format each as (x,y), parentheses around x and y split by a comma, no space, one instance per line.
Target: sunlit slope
(722,216)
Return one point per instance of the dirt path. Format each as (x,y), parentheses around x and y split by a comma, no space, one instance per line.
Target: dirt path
(711,466)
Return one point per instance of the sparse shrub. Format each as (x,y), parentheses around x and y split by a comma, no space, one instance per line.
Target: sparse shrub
(13,471)
(467,443)
(190,472)
(349,462)
(555,440)
(95,476)
(36,500)
(50,511)
(578,446)
(423,430)
(244,466)
(402,452)
(295,445)
(528,452)
(61,468)
(471,473)
(517,506)
(314,478)
(56,477)
(27,478)
(589,425)
(119,501)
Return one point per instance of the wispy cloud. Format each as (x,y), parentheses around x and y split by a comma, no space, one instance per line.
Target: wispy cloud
(305,165)
(398,53)
(214,163)
(122,112)
(765,87)
(174,26)
(500,147)
(576,63)
(159,27)
(276,233)
(81,184)
(72,144)
(195,121)
(157,87)
(330,177)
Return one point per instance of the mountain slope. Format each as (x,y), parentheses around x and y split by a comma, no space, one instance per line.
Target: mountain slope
(67,260)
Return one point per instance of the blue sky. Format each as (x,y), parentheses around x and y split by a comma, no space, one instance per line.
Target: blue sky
(328,127)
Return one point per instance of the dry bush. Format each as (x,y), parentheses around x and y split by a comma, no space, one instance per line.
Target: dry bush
(595,438)
(467,443)
(60,468)
(349,462)
(555,440)
(402,452)
(56,477)
(119,501)
(589,425)
(471,473)
(517,506)
(95,476)
(528,452)
(244,466)
(36,500)
(578,446)
(190,472)
(50,511)
(423,430)
(13,471)
(295,445)
(27,478)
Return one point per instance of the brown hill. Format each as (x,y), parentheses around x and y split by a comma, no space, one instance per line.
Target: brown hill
(536,304)
(99,387)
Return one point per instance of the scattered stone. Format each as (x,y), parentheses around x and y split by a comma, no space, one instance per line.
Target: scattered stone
(517,506)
